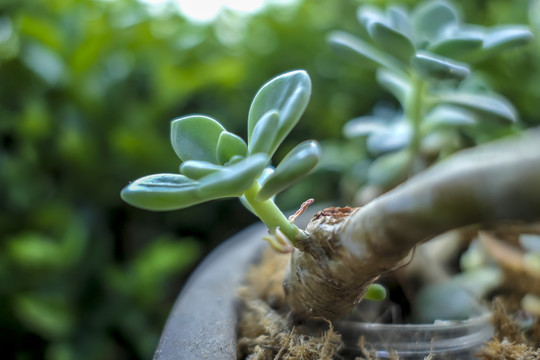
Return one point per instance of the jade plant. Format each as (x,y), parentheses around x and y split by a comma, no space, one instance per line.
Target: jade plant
(425,58)
(219,164)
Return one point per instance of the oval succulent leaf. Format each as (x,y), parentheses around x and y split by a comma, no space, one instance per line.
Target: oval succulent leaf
(297,163)
(389,169)
(399,20)
(456,47)
(482,103)
(391,41)
(196,169)
(228,146)
(288,94)
(435,67)
(368,13)
(398,85)
(264,133)
(445,116)
(430,18)
(358,50)
(161,192)
(504,37)
(393,137)
(364,125)
(233,180)
(195,137)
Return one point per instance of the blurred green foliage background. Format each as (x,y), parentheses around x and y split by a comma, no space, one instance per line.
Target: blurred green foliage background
(87,90)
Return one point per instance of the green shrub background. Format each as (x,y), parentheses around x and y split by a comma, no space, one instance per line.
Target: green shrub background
(87,91)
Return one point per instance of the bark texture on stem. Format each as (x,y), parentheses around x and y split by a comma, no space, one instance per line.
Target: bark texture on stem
(347,249)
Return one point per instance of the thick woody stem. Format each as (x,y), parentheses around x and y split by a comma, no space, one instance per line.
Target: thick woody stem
(343,254)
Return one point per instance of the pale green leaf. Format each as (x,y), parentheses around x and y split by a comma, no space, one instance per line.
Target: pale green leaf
(389,169)
(367,13)
(195,137)
(363,126)
(264,133)
(456,47)
(447,116)
(230,145)
(399,19)
(233,180)
(288,94)
(296,164)
(394,136)
(162,192)
(505,37)
(482,103)
(358,50)
(432,66)
(391,41)
(430,18)
(397,84)
(196,169)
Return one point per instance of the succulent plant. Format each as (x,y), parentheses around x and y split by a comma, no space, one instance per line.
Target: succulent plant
(219,164)
(423,58)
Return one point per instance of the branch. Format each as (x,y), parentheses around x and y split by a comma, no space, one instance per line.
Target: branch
(345,253)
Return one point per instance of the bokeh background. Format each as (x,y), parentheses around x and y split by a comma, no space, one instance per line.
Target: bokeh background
(87,91)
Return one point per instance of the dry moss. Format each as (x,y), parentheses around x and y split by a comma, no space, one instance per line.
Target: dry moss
(264,331)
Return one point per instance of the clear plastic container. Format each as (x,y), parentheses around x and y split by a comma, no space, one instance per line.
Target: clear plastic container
(443,339)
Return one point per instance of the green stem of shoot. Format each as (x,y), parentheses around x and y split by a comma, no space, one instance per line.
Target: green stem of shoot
(414,112)
(271,215)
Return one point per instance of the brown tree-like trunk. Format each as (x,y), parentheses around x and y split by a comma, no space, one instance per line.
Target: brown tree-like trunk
(348,249)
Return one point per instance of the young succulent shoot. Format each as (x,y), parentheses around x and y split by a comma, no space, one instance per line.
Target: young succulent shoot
(219,164)
(424,58)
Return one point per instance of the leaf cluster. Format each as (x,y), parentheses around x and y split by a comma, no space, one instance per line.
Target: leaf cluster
(424,58)
(219,164)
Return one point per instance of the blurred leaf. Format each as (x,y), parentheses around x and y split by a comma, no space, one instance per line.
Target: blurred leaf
(394,136)
(48,316)
(264,133)
(230,145)
(233,180)
(367,13)
(399,20)
(363,126)
(395,83)
(358,50)
(431,17)
(288,94)
(483,104)
(195,137)
(456,47)
(500,38)
(432,66)
(296,164)
(44,62)
(35,251)
(391,41)
(196,169)
(160,260)
(390,169)
(444,116)
(162,192)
